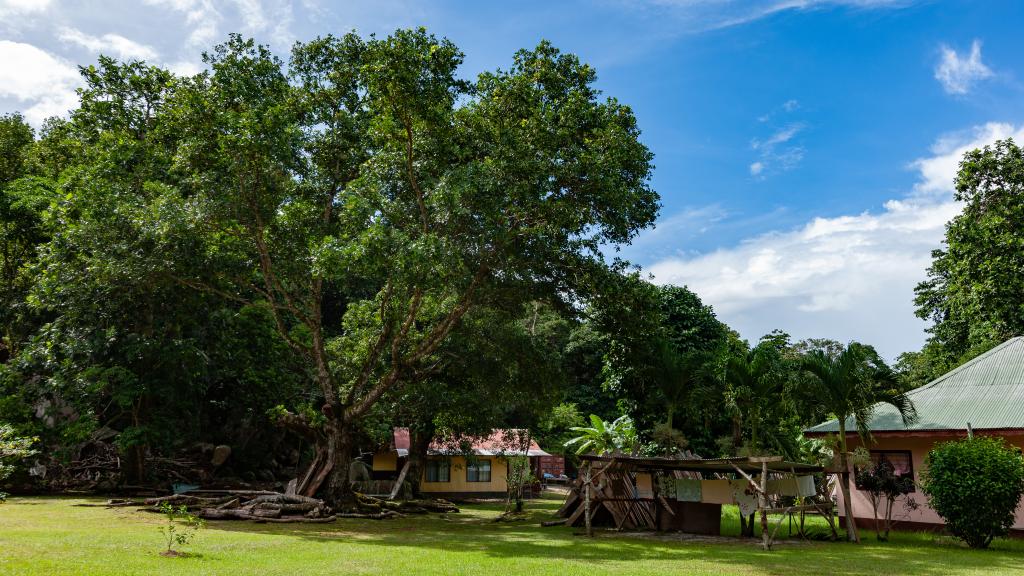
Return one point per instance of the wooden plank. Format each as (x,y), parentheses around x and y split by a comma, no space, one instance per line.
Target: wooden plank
(664,503)
(575,516)
(401,479)
(763,459)
(570,499)
(611,463)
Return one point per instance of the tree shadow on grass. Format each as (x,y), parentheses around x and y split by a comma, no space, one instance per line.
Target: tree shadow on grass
(474,532)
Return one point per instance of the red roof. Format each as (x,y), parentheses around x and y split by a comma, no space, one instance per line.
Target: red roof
(500,442)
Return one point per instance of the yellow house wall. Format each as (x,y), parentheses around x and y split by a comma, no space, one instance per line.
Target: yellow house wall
(385,462)
(457,477)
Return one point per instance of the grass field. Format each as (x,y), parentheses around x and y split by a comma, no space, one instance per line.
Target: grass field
(52,536)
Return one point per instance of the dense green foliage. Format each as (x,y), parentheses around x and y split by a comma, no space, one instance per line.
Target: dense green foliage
(974,293)
(976,485)
(345,242)
(12,450)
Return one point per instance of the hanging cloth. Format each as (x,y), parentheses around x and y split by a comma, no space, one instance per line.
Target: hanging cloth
(805,486)
(687,490)
(745,496)
(716,492)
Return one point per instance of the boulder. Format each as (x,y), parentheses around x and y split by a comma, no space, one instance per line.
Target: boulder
(220,455)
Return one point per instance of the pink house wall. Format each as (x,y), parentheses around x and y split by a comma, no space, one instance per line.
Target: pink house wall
(919,447)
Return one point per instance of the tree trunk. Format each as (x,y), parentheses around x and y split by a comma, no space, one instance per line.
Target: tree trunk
(135,455)
(844,483)
(888,517)
(419,443)
(338,490)
(737,434)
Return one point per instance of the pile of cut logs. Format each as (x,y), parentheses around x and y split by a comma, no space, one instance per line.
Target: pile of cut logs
(267,506)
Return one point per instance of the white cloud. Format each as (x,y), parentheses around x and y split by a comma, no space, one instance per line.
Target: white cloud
(718,14)
(267,20)
(201,17)
(938,169)
(846,277)
(959,74)
(37,78)
(780,136)
(109,44)
(184,68)
(775,151)
(253,17)
(22,7)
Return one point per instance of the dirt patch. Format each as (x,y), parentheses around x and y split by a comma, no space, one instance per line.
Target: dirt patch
(174,554)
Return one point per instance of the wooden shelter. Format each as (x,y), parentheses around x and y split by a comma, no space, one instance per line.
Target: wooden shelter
(632,492)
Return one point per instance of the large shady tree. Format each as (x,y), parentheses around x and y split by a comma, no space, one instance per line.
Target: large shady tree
(848,385)
(368,173)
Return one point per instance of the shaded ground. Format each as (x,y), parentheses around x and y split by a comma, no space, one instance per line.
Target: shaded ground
(51,536)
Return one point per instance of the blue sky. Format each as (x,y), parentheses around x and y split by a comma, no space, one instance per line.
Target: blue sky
(805,149)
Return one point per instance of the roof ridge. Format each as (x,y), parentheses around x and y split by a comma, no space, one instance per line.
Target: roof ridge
(966,365)
(1004,362)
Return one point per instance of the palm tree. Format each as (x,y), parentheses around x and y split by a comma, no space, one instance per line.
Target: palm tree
(758,383)
(681,377)
(850,384)
(605,437)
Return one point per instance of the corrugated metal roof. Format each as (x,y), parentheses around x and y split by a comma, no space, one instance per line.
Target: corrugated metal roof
(987,392)
(498,443)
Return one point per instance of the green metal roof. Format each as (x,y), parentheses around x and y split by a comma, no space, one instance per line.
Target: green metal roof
(986,392)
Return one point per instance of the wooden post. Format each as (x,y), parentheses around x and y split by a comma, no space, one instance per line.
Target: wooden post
(762,503)
(586,499)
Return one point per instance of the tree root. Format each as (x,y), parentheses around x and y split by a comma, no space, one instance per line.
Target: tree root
(253,505)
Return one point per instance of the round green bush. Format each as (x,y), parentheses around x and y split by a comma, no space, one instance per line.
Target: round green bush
(976,486)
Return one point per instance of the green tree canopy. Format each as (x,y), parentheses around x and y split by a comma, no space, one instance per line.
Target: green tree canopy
(370,169)
(974,294)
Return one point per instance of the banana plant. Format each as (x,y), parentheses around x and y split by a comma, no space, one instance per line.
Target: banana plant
(603,437)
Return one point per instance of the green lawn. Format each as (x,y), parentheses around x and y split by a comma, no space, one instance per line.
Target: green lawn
(52,536)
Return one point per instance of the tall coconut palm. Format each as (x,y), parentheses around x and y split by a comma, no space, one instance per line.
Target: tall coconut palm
(605,437)
(849,385)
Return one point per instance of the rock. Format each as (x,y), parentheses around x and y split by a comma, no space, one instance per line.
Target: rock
(220,455)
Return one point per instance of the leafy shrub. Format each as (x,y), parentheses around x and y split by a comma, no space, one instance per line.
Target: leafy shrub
(976,486)
(12,449)
(884,486)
